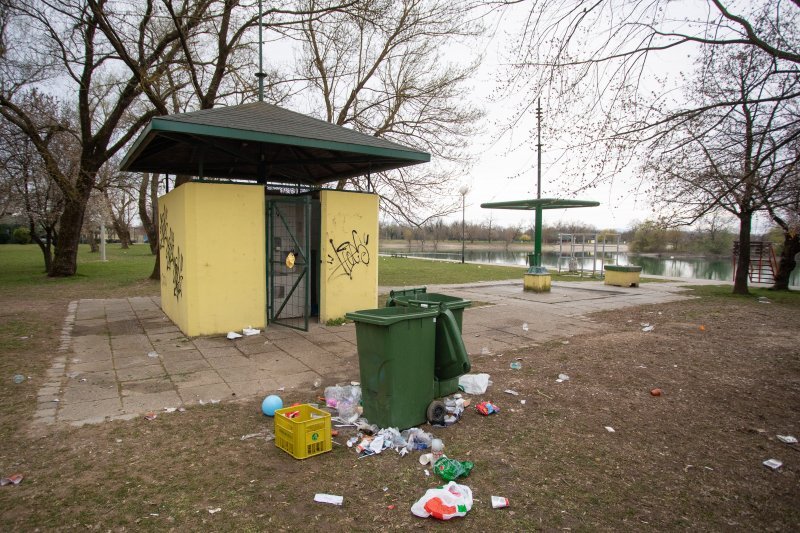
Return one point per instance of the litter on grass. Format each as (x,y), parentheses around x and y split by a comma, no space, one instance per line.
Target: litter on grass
(329,498)
(267,435)
(511,392)
(444,503)
(788,439)
(498,502)
(14,479)
(152,354)
(474,383)
(647,329)
(215,510)
(610,429)
(774,464)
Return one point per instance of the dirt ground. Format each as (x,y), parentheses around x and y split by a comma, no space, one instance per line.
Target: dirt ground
(688,459)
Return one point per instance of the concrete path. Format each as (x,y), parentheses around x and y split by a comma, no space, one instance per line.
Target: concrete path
(121,358)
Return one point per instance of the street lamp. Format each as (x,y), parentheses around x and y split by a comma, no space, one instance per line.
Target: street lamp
(463,192)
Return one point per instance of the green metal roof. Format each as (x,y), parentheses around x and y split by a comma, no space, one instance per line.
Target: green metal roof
(262,142)
(543,203)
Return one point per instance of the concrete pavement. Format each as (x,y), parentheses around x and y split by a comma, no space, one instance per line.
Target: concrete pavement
(120,358)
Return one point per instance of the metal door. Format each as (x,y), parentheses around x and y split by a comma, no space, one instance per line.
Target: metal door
(288,261)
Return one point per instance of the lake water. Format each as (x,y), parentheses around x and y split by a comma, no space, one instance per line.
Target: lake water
(680,267)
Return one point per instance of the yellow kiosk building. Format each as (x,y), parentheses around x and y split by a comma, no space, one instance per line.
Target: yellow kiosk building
(255,238)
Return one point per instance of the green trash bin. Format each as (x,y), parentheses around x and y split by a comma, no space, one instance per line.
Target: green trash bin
(452,360)
(396,360)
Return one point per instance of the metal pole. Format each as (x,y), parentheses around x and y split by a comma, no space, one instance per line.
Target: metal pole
(594,260)
(260,74)
(463,198)
(537,242)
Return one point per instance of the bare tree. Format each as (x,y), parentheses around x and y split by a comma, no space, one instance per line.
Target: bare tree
(741,157)
(370,67)
(597,61)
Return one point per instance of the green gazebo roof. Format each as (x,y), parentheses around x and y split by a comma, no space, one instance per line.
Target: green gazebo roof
(262,142)
(543,203)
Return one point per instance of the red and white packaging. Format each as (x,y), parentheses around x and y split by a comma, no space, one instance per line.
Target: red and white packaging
(499,502)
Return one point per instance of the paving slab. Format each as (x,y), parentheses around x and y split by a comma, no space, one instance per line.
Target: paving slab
(103,371)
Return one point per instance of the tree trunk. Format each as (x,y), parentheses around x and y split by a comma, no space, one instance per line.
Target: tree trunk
(787,263)
(65,260)
(150,223)
(156,274)
(44,246)
(743,261)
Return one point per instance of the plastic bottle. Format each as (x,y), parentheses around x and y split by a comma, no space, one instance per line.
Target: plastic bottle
(19,378)
(437,449)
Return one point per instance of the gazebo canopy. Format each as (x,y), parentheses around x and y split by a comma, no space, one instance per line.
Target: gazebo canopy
(541,203)
(263,143)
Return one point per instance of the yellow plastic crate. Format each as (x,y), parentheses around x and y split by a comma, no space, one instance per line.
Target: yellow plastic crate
(305,435)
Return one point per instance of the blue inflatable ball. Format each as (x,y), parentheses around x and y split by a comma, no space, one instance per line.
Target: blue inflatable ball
(270,404)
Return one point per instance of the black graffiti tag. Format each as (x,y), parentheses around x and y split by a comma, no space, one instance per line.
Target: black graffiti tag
(172,253)
(348,254)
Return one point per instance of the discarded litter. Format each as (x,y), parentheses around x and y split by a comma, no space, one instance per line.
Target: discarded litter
(525,326)
(329,498)
(498,502)
(233,335)
(14,479)
(564,342)
(426,459)
(267,435)
(774,464)
(511,392)
(487,408)
(452,469)
(445,502)
(655,392)
(215,510)
(150,416)
(702,327)
(152,354)
(19,378)
(170,409)
(522,402)
(474,383)
(610,429)
(270,404)
(764,300)
(516,365)
(788,439)
(437,449)
(647,329)
(248,331)
(345,399)
(485,351)
(562,377)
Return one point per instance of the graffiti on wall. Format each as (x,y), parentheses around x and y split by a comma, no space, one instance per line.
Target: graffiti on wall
(173,258)
(347,255)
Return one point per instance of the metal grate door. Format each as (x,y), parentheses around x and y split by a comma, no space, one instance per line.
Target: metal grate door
(288,263)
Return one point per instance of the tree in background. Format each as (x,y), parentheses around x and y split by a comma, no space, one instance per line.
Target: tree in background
(739,154)
(30,193)
(594,66)
(378,67)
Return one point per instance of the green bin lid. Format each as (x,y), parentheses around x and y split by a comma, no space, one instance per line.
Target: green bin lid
(386,316)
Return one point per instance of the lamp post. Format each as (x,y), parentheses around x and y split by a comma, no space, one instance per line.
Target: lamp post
(463,192)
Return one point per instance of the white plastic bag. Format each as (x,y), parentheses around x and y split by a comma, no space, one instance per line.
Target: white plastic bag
(444,503)
(474,383)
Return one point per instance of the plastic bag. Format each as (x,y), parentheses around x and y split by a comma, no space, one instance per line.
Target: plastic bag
(444,503)
(346,400)
(450,469)
(416,439)
(474,383)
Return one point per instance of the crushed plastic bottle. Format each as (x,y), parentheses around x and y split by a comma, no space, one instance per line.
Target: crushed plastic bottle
(516,365)
(19,378)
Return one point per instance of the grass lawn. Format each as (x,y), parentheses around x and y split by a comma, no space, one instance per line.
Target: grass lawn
(689,459)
